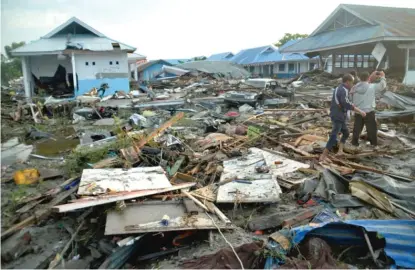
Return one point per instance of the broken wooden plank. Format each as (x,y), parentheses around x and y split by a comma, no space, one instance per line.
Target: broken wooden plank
(309,213)
(29,206)
(289,146)
(195,200)
(220,214)
(281,219)
(110,198)
(60,255)
(206,193)
(157,132)
(182,178)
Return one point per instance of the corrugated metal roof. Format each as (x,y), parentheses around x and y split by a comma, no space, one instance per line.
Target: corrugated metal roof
(176,61)
(289,43)
(55,44)
(264,54)
(398,234)
(398,22)
(215,67)
(150,63)
(220,56)
(388,22)
(135,56)
(340,37)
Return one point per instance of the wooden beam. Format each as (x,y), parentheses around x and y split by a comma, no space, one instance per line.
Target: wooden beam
(195,200)
(40,214)
(104,199)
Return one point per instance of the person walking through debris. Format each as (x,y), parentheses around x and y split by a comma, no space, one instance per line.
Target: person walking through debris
(364,97)
(340,104)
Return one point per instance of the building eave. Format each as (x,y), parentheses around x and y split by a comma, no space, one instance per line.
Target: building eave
(353,44)
(19,54)
(279,62)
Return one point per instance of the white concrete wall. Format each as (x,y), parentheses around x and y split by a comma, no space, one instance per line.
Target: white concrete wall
(46,65)
(304,66)
(102,64)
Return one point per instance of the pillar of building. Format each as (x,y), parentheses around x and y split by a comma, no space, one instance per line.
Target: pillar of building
(75,82)
(26,77)
(135,71)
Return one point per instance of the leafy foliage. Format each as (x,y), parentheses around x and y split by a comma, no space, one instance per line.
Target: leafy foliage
(11,67)
(288,36)
(11,47)
(200,58)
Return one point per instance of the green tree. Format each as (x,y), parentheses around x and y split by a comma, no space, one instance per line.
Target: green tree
(287,37)
(11,67)
(199,58)
(11,47)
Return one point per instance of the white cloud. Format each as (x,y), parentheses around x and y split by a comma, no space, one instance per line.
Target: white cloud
(177,28)
(33,19)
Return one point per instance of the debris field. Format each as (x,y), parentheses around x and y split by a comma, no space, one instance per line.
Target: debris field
(205,170)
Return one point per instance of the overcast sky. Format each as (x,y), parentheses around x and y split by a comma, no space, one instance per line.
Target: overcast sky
(175,28)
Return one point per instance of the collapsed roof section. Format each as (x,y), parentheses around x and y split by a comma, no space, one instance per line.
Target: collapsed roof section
(217,68)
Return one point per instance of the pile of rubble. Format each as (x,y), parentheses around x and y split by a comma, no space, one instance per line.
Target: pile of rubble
(205,184)
(320,80)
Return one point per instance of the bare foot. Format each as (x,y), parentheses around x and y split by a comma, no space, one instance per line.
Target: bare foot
(339,153)
(324,155)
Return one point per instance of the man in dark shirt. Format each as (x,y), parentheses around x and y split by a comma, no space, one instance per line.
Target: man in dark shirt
(340,104)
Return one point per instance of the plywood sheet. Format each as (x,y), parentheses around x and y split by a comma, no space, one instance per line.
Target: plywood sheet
(287,166)
(146,217)
(242,167)
(101,181)
(258,191)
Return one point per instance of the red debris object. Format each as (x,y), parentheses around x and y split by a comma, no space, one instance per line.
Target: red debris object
(232,114)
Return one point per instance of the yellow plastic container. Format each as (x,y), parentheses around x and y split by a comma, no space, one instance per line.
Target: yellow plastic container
(26,177)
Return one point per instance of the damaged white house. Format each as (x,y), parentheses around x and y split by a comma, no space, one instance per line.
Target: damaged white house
(363,38)
(74,58)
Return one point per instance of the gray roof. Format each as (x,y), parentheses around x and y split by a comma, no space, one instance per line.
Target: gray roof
(226,68)
(143,66)
(381,23)
(56,41)
(399,22)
